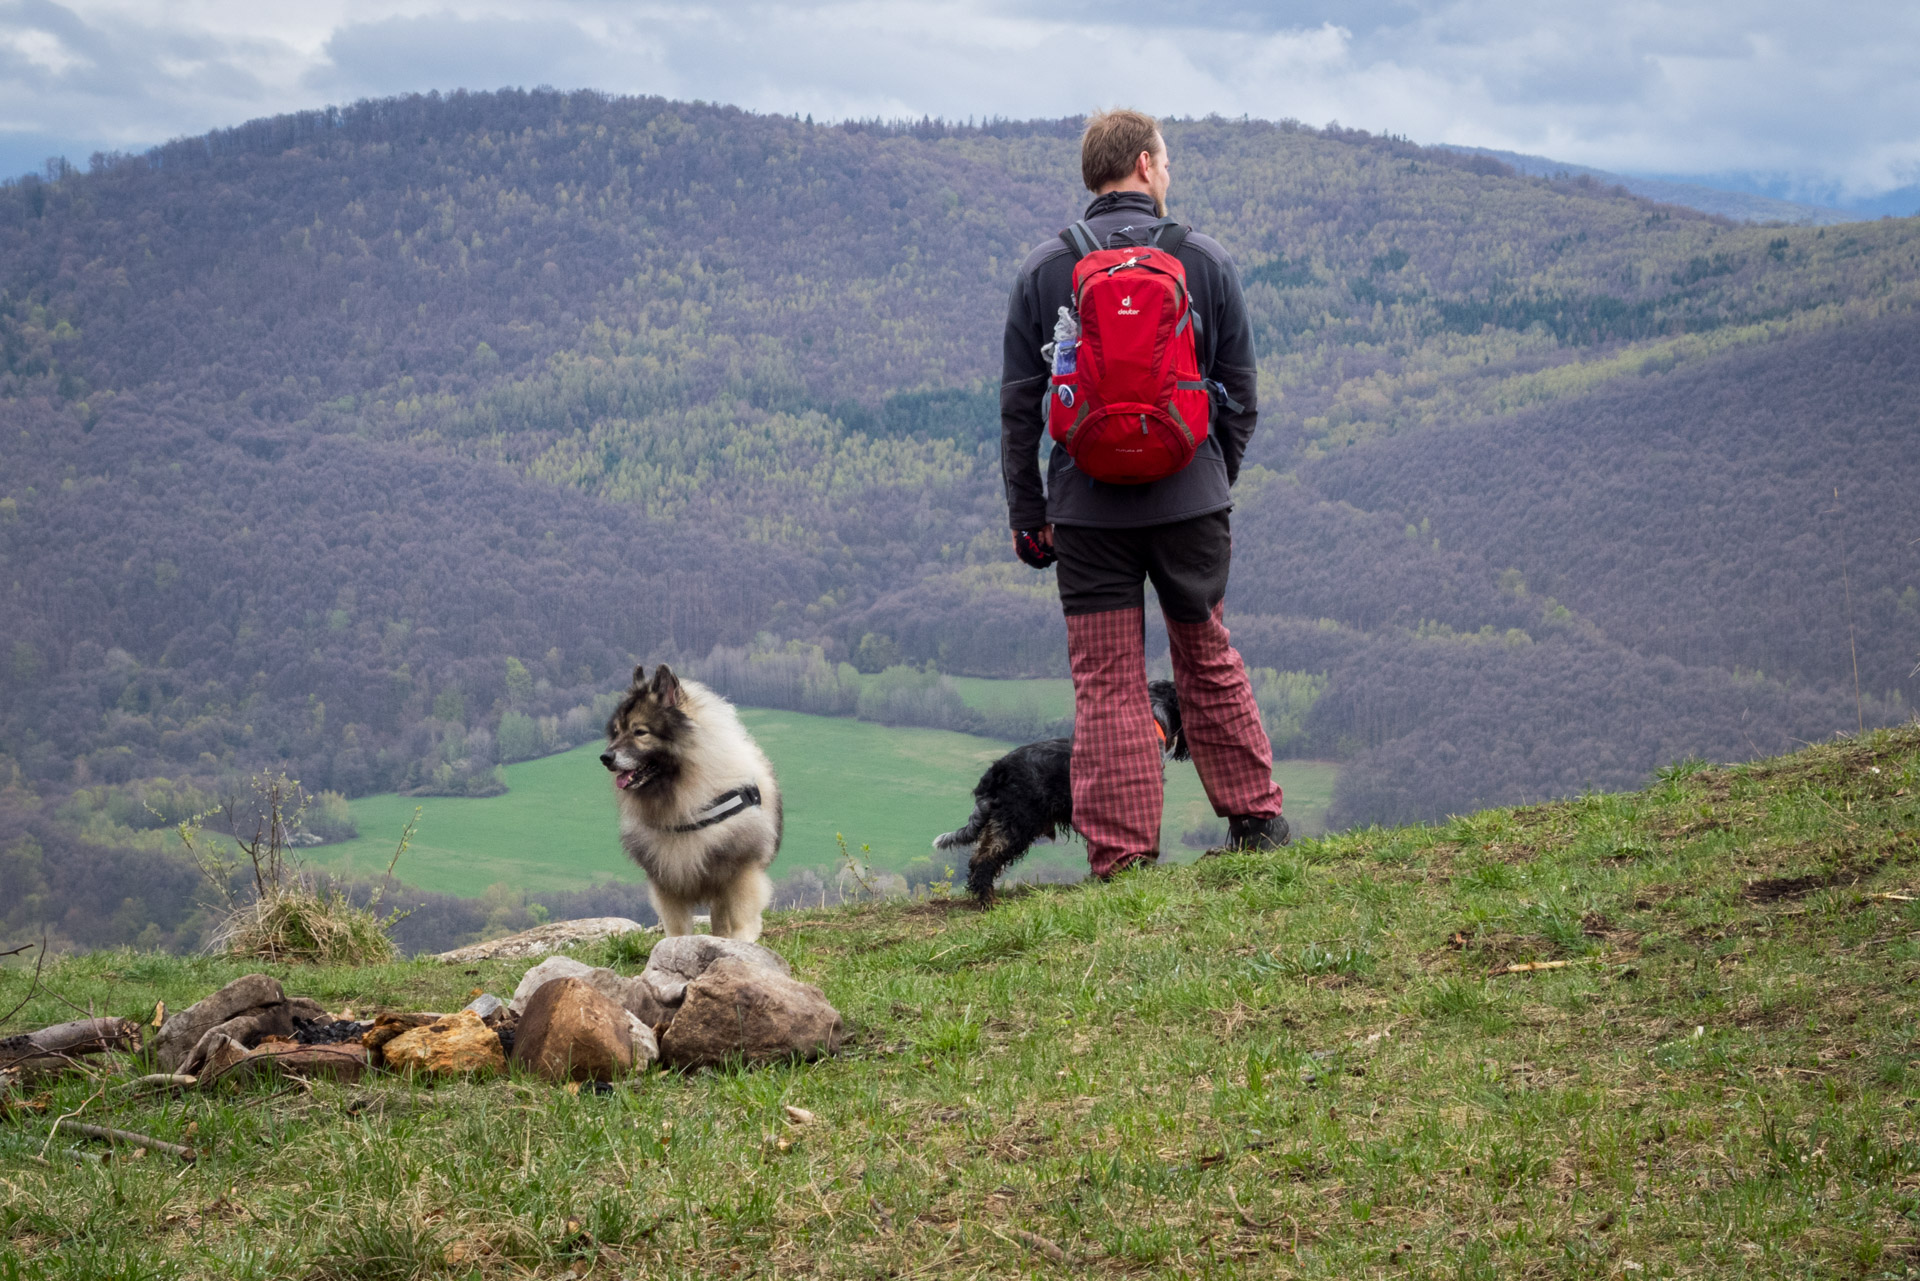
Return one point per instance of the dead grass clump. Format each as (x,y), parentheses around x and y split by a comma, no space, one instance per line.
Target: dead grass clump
(301,923)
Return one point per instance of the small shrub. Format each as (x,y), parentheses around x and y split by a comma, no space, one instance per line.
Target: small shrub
(288,916)
(330,818)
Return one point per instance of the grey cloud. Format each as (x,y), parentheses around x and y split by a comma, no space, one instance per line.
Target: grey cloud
(116,86)
(1363,17)
(400,55)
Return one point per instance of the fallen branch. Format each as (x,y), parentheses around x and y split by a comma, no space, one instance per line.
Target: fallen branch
(82,1036)
(128,1137)
(1897,898)
(15,951)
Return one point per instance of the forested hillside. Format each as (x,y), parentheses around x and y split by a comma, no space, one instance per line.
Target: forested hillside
(375,443)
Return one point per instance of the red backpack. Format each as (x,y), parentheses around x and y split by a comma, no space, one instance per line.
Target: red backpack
(1127,401)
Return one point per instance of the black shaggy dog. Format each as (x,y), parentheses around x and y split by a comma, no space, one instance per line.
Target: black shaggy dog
(1028,793)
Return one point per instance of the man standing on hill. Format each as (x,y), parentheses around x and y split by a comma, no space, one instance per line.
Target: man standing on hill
(1109,538)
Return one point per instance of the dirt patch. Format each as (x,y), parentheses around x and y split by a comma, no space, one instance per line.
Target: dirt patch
(1774,888)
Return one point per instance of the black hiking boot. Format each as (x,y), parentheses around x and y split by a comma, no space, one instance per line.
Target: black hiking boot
(1249,835)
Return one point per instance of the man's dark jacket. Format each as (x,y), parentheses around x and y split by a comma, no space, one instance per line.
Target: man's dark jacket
(1225,344)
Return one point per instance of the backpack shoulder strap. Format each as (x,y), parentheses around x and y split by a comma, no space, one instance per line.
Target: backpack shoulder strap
(1079,240)
(1171,236)
(1168,235)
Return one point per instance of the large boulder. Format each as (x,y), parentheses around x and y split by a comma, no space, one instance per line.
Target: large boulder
(570,1031)
(248,1008)
(737,1009)
(542,939)
(453,1046)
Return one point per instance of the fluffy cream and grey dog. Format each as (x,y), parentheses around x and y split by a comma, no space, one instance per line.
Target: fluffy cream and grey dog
(699,807)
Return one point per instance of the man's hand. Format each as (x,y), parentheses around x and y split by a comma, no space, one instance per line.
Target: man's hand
(1034,546)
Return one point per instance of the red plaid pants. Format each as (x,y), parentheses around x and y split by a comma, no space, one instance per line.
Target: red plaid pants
(1118,793)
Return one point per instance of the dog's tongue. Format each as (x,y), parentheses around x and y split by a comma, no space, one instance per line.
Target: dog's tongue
(623,779)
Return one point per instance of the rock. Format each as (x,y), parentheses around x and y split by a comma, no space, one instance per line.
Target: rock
(178,1038)
(738,1009)
(554,967)
(646,1047)
(572,1032)
(389,1025)
(488,1006)
(542,939)
(453,1046)
(631,993)
(678,961)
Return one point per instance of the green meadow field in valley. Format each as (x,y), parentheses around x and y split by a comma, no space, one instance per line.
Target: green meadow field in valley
(889,789)
(1051,698)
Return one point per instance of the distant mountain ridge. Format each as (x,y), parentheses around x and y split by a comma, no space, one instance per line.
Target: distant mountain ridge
(1741,206)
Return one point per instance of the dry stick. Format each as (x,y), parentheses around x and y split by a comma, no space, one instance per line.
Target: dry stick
(1529,967)
(167,1080)
(17,950)
(32,987)
(112,1135)
(55,1128)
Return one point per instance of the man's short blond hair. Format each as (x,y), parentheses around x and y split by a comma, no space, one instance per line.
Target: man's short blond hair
(1113,143)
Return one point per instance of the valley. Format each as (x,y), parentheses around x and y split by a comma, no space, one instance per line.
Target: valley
(887,790)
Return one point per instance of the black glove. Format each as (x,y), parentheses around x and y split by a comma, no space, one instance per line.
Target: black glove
(1028,547)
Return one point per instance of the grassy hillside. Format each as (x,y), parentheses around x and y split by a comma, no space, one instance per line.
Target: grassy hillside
(889,789)
(1317,1064)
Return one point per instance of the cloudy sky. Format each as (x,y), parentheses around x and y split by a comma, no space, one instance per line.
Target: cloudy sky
(1816,101)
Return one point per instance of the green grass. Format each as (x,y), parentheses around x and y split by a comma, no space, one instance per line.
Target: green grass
(889,789)
(1047,699)
(1314,1064)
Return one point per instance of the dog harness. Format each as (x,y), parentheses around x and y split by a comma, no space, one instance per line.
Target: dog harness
(723,807)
